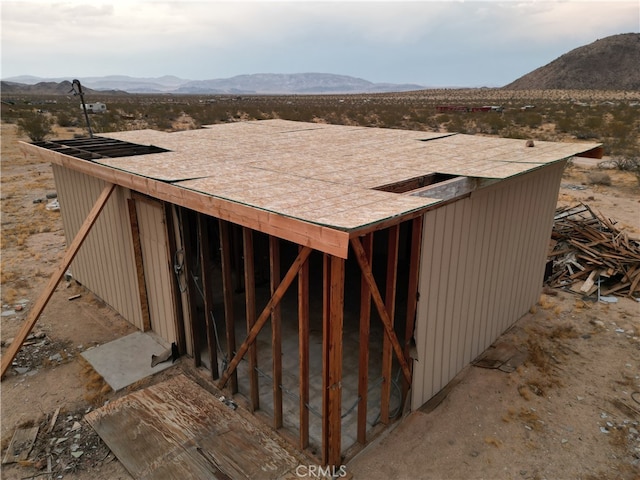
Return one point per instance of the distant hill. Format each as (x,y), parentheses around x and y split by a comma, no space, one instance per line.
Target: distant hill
(260,83)
(611,63)
(46,88)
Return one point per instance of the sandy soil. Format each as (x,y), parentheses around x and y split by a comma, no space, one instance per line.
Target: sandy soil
(570,411)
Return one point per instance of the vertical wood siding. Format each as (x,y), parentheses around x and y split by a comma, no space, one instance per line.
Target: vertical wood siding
(483,262)
(157,269)
(105,263)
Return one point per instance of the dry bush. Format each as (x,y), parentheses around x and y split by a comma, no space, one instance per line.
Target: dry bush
(598,178)
(563,331)
(492,441)
(95,386)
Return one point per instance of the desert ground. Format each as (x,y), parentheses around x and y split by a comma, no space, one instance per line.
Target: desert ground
(570,411)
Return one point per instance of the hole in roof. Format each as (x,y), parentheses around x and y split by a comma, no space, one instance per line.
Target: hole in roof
(414,183)
(98,147)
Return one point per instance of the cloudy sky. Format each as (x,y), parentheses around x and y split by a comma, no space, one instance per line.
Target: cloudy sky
(434,44)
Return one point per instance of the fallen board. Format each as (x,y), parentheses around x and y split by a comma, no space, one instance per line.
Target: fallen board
(21,444)
(178,430)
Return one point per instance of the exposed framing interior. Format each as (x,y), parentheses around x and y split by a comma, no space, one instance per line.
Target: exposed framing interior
(280,326)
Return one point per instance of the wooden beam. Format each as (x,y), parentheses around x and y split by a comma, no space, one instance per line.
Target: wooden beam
(264,316)
(250,309)
(44,297)
(377,298)
(365,326)
(207,290)
(318,237)
(412,294)
(303,351)
(276,332)
(390,301)
(137,253)
(227,288)
(336,318)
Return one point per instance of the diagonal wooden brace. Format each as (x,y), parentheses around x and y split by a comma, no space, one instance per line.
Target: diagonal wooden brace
(266,313)
(361,257)
(69,255)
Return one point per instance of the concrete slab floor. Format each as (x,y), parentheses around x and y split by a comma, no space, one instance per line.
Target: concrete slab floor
(126,360)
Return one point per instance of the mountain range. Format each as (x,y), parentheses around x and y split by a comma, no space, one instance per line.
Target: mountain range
(610,63)
(259,83)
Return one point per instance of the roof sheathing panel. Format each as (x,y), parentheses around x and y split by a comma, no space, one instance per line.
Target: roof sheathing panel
(322,173)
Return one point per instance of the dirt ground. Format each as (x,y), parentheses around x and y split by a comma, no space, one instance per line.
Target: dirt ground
(571,410)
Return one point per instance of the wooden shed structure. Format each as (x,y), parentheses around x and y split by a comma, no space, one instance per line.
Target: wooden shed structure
(299,263)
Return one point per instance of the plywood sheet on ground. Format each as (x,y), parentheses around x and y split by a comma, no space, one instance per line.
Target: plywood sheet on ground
(178,430)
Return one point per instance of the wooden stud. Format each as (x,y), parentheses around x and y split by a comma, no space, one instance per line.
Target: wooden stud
(390,301)
(363,363)
(377,299)
(303,351)
(264,316)
(250,309)
(336,318)
(43,299)
(207,290)
(227,287)
(137,253)
(169,212)
(197,331)
(412,294)
(276,332)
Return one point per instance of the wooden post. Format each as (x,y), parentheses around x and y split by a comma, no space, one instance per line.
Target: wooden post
(326,319)
(377,299)
(276,332)
(334,384)
(365,326)
(227,287)
(137,255)
(207,290)
(390,301)
(250,309)
(69,255)
(264,316)
(412,294)
(303,351)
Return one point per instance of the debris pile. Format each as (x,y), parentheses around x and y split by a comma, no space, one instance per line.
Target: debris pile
(61,444)
(590,255)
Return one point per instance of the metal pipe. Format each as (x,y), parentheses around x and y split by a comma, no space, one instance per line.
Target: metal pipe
(84,106)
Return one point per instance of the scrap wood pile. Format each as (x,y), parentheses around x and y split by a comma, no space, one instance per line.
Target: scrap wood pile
(590,255)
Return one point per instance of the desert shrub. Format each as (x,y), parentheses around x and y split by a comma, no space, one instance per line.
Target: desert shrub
(36,126)
(598,178)
(65,120)
(624,163)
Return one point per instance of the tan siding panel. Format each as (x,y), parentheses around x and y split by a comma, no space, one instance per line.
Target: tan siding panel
(482,268)
(104,263)
(157,268)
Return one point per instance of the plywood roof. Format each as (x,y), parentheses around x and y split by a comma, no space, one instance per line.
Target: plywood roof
(311,183)
(323,173)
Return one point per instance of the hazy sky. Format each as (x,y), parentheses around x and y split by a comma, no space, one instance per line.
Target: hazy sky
(429,43)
